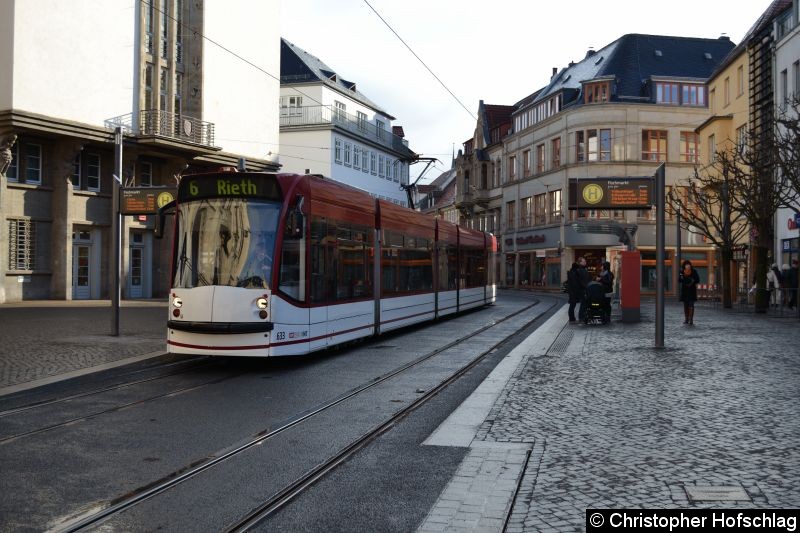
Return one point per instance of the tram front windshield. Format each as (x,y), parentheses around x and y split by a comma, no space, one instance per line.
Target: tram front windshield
(225,241)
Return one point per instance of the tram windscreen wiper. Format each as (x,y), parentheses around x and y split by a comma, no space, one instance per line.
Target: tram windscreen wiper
(185,262)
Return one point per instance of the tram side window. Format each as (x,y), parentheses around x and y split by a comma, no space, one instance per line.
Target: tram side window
(322,261)
(292,276)
(473,267)
(452,267)
(448,266)
(355,252)
(407,264)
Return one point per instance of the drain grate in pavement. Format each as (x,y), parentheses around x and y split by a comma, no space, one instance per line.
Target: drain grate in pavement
(717,493)
(559,346)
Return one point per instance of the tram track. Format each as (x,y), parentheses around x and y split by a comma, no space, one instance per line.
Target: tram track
(291,491)
(192,364)
(74,420)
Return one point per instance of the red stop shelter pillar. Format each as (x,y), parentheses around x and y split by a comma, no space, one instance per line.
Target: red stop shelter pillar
(630,286)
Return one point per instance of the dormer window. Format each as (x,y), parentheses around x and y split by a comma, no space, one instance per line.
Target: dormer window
(667,93)
(674,93)
(596,93)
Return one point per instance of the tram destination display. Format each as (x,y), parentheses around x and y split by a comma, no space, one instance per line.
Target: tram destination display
(229,184)
(611,193)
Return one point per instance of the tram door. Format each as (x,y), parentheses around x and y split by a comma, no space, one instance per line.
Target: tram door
(81,265)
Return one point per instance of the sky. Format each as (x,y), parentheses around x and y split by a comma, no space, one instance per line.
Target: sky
(499,54)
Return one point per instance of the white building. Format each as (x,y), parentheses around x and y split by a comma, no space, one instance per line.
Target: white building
(328,127)
(787,71)
(74,70)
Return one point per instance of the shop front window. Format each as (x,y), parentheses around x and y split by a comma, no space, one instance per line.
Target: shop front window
(510,260)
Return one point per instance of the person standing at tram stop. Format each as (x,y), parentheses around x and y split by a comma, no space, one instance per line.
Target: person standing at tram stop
(792,280)
(688,280)
(774,283)
(606,278)
(574,290)
(583,280)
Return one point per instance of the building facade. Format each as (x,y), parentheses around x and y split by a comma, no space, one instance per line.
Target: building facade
(620,112)
(787,83)
(726,129)
(328,127)
(185,105)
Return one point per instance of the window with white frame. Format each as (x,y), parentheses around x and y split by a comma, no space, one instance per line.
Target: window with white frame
(21,244)
(162,90)
(783,97)
(381,168)
(93,172)
(796,76)
(381,128)
(362,120)
(712,148)
(339,110)
(33,163)
(145,174)
(554,205)
(76,172)
(178,97)
(689,147)
(373,163)
(149,11)
(337,151)
(396,170)
(357,157)
(347,151)
(148,86)
(741,140)
(291,105)
(164,42)
(365,161)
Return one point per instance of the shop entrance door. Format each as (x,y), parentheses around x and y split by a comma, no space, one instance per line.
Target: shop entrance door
(81,271)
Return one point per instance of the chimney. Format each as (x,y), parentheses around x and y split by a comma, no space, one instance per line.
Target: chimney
(589,52)
(555,71)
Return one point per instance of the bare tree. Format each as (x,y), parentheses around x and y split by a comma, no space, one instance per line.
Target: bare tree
(704,207)
(737,193)
(787,147)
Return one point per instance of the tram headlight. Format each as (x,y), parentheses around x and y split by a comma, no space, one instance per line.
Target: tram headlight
(177,302)
(262,303)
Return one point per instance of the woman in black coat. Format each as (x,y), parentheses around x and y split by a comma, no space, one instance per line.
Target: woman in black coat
(574,289)
(687,281)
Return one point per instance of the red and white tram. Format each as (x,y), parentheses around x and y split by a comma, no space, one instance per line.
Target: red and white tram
(281,264)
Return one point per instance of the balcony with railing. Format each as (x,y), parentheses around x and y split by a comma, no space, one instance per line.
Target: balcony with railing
(162,124)
(323,115)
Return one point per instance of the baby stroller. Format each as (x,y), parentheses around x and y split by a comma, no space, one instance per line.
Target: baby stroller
(595,304)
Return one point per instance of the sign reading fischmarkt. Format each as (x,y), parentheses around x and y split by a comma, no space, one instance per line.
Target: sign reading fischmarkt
(611,193)
(145,200)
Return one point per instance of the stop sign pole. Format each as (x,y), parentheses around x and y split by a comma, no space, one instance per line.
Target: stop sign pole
(660,231)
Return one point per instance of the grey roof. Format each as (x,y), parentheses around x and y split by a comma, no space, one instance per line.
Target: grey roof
(300,67)
(632,60)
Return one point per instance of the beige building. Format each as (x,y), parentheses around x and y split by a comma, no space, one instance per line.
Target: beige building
(620,112)
(185,103)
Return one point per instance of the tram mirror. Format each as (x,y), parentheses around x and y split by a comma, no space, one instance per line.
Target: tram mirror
(294,225)
(158,230)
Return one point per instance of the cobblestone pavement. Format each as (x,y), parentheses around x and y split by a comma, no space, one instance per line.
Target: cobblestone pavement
(613,422)
(47,339)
